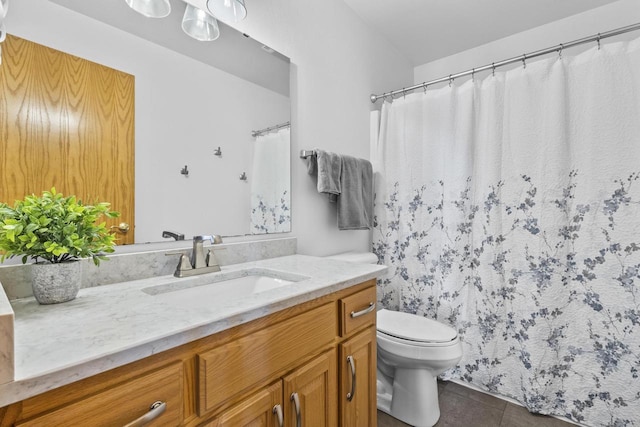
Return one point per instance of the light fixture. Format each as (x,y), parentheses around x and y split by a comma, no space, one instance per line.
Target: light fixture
(227,10)
(150,8)
(199,24)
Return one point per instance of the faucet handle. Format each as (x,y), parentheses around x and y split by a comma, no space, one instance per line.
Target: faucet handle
(183,265)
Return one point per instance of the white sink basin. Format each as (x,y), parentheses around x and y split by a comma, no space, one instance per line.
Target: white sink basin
(202,290)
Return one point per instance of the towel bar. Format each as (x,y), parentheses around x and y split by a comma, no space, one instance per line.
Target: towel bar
(307,153)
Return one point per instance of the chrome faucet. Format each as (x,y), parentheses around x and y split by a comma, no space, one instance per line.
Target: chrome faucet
(199,263)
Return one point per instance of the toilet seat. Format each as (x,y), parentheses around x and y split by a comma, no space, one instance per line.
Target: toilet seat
(414,330)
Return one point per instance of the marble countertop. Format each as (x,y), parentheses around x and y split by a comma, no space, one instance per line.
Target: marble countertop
(112,325)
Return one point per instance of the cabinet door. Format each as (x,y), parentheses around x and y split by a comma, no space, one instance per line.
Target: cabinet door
(310,393)
(259,410)
(358,380)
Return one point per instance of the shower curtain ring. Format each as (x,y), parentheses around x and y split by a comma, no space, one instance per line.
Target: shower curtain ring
(598,40)
(404,93)
(493,69)
(473,74)
(560,50)
(524,60)
(450,80)
(424,86)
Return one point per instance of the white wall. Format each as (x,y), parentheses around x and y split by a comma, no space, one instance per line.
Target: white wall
(605,18)
(184,110)
(337,62)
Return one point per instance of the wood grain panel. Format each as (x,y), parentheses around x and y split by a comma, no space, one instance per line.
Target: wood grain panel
(67,123)
(361,411)
(316,386)
(123,404)
(261,354)
(255,411)
(355,303)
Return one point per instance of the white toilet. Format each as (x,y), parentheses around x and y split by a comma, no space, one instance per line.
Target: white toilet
(412,352)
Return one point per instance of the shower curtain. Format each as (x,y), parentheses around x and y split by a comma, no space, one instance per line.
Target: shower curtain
(270,183)
(509,208)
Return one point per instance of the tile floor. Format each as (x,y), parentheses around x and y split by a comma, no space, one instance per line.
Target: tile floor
(463,407)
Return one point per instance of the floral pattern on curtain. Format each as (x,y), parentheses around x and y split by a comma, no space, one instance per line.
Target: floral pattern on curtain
(509,208)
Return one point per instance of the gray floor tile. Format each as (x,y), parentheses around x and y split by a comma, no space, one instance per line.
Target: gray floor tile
(457,410)
(464,407)
(386,420)
(517,416)
(478,396)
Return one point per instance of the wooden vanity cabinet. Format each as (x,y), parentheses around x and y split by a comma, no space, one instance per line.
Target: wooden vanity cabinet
(358,379)
(307,397)
(302,361)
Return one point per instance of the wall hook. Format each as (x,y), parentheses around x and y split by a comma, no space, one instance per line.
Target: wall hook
(243,177)
(217,152)
(185,171)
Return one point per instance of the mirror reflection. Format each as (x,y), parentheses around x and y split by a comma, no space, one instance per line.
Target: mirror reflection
(212,151)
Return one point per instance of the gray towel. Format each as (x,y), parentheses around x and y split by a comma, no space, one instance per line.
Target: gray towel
(355,203)
(329,166)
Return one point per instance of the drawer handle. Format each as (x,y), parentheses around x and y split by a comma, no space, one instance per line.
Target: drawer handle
(155,410)
(277,410)
(296,403)
(372,306)
(352,366)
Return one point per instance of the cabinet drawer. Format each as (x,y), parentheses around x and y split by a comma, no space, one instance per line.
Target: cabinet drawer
(233,367)
(123,403)
(358,310)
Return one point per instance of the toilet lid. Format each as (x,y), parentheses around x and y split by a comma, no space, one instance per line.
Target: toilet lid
(414,328)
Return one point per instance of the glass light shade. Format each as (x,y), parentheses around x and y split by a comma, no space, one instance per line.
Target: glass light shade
(4,7)
(199,24)
(227,10)
(150,8)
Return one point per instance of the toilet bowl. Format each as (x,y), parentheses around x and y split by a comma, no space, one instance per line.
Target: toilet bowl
(412,352)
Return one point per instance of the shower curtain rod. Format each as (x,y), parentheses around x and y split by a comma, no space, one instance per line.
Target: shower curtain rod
(255,133)
(523,58)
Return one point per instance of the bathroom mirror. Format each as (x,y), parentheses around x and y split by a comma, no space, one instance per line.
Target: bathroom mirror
(200,166)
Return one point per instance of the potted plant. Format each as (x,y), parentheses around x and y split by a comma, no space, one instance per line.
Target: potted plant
(55,231)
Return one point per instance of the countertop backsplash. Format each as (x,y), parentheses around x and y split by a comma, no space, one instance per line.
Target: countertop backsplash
(122,267)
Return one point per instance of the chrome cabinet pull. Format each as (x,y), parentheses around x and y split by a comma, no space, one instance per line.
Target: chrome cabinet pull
(352,365)
(155,410)
(372,306)
(277,410)
(296,402)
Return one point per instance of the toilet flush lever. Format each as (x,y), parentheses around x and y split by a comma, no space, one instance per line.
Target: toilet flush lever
(372,306)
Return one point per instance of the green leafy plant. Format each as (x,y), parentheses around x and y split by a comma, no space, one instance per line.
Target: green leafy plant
(55,228)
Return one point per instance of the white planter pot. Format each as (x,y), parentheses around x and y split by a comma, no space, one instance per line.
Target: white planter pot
(55,283)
